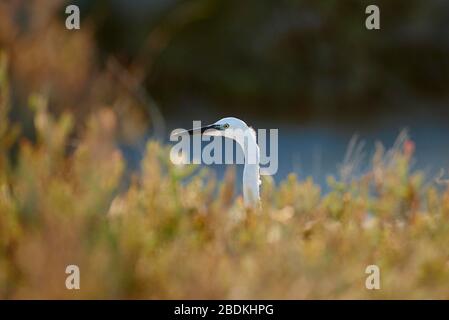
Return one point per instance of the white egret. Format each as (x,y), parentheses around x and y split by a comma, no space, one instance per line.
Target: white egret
(245,137)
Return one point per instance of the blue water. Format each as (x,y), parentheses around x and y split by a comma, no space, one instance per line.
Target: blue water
(317,150)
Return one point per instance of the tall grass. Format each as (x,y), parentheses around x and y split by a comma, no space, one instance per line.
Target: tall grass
(163,237)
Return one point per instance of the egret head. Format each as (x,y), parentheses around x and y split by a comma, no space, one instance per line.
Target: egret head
(227,127)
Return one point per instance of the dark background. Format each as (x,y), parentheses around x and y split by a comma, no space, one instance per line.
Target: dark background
(294,61)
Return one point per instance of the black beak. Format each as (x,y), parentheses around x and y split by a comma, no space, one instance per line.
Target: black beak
(198,130)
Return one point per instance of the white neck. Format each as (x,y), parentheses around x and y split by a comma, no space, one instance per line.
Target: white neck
(251,174)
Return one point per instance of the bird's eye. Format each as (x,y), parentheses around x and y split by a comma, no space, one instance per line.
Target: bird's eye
(226,125)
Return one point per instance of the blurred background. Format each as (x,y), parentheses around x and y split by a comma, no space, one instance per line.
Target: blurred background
(308,68)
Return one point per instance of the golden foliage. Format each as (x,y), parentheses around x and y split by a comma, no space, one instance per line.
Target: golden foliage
(174,232)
